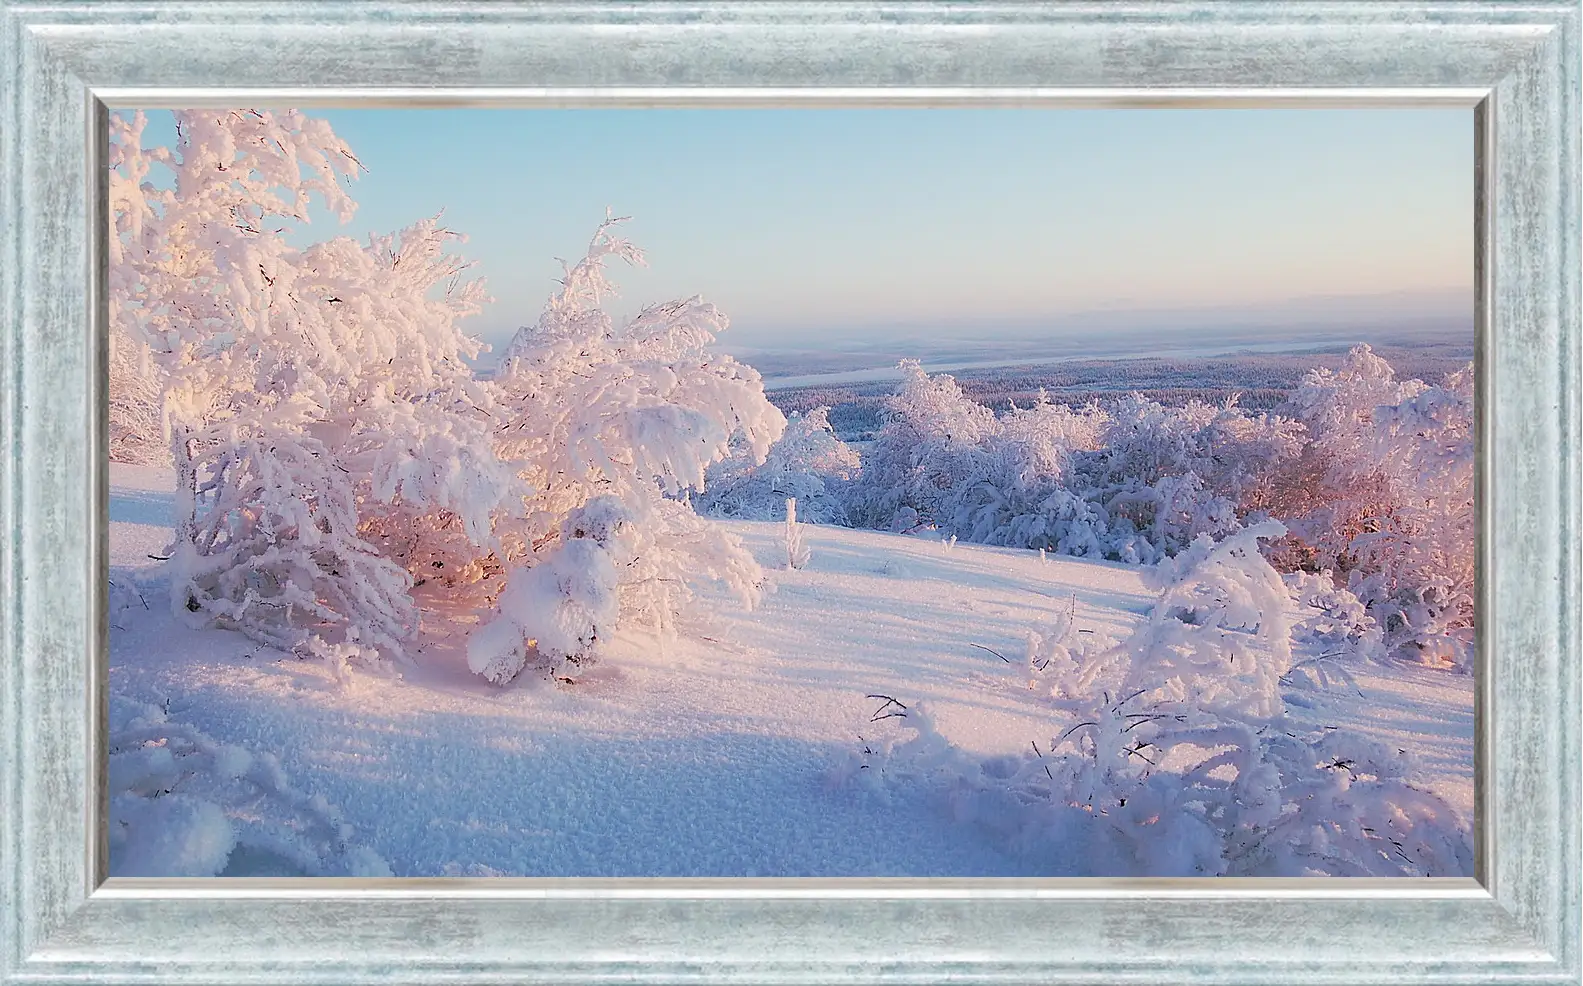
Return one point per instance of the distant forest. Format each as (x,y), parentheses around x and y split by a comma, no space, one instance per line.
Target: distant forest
(1262,381)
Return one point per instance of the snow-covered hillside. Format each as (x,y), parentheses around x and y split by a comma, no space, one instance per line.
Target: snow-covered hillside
(730,750)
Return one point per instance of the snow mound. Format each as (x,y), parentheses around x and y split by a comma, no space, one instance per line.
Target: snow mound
(182,805)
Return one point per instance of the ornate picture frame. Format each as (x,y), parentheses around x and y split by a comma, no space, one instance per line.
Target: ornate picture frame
(66,64)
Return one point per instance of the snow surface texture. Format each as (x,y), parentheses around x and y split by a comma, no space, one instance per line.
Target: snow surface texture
(733,748)
(183,805)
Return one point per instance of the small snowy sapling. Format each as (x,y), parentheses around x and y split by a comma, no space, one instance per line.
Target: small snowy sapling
(797,552)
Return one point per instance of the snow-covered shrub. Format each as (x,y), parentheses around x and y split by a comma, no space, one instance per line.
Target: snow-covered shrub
(1218,637)
(1013,488)
(1046,434)
(1163,476)
(942,460)
(558,609)
(328,439)
(1262,801)
(1347,808)
(356,457)
(1175,756)
(1150,522)
(808,464)
(1250,800)
(930,433)
(182,805)
(1373,478)
(1058,649)
(1426,551)
(614,422)
(1134,482)
(1395,510)
(1337,633)
(1061,809)
(274,551)
(1202,675)
(1341,492)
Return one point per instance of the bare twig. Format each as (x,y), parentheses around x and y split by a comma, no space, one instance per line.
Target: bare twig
(1135,753)
(881,713)
(1074,729)
(1140,722)
(997,653)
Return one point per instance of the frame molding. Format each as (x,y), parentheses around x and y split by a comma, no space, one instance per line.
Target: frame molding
(63,64)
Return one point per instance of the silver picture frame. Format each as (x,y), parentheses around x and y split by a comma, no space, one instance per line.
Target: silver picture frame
(64,64)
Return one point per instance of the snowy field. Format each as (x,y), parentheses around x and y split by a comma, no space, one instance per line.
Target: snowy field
(730,751)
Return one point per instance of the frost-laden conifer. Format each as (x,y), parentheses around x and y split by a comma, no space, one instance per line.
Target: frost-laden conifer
(611,424)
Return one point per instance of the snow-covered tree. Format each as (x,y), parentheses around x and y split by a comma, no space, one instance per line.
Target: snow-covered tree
(809,463)
(327,436)
(1014,489)
(137,433)
(628,417)
(1163,476)
(1394,510)
(1135,481)
(931,430)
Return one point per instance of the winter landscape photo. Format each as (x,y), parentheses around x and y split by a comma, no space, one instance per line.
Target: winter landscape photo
(816,493)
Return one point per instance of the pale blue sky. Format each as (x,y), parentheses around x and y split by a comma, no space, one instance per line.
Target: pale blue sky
(822,222)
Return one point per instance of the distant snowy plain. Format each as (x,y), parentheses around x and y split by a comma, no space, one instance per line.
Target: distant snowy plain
(725,752)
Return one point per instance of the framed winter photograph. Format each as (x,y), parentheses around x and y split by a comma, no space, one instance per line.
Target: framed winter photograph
(1136,550)
(791,491)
